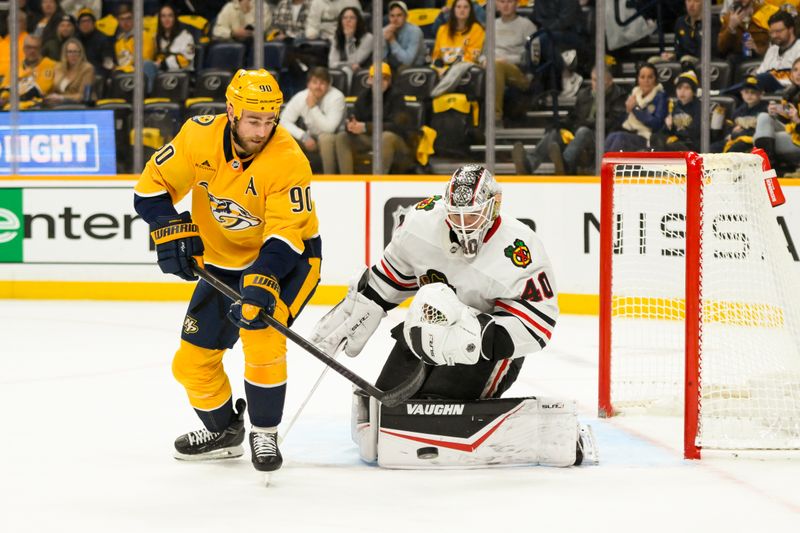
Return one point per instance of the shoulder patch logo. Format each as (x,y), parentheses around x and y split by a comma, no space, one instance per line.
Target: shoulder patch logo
(190,325)
(229,213)
(434,276)
(203,120)
(428,203)
(519,253)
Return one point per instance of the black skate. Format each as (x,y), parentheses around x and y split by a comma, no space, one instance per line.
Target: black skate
(264,451)
(205,445)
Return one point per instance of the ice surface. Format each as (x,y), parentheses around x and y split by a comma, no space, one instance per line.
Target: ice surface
(90,410)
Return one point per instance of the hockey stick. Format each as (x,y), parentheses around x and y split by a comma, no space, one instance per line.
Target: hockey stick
(391,398)
(305,402)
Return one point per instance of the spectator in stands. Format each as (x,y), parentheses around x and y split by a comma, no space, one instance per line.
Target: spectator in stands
(559,22)
(458,45)
(774,72)
(646,108)
(396,154)
(98,47)
(511,33)
(289,21)
(124,49)
(404,42)
(175,46)
(237,20)
(744,119)
(351,46)
(574,146)
(45,25)
(681,130)
(74,7)
(74,76)
(776,130)
(36,74)
(312,116)
(323,16)
(688,36)
(746,16)
(64,30)
(5,42)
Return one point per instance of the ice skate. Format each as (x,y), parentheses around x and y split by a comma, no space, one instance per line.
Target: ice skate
(264,450)
(205,445)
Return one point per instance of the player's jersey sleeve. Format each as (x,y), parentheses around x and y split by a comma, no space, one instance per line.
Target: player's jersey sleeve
(529,312)
(170,171)
(290,220)
(392,278)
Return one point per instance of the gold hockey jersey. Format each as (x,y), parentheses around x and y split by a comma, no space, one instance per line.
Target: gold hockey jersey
(238,204)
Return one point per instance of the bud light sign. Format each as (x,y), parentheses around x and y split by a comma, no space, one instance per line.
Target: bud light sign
(58,142)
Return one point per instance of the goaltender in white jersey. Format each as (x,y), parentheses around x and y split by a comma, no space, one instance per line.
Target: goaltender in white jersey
(484,296)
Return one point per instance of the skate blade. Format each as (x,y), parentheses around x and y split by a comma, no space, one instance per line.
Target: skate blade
(224,453)
(267,478)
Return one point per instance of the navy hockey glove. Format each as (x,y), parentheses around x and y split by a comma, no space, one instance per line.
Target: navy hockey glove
(177,242)
(260,292)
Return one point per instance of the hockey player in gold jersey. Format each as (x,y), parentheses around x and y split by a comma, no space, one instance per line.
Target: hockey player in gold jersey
(254,225)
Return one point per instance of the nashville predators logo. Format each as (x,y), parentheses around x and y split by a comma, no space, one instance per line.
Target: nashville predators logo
(190,325)
(203,120)
(230,214)
(427,203)
(519,253)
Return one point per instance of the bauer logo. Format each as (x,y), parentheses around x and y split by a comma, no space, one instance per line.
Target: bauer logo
(11,227)
(436,409)
(58,142)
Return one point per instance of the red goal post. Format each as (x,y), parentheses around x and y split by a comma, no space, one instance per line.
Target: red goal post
(710,335)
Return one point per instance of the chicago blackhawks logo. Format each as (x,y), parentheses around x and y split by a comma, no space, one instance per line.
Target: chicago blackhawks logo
(427,203)
(230,214)
(519,253)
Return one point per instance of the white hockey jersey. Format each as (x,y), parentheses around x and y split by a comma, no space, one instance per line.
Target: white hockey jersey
(510,278)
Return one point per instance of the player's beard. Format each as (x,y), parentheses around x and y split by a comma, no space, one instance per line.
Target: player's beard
(247,144)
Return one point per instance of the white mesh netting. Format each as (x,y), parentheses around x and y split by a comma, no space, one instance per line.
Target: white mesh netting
(750,326)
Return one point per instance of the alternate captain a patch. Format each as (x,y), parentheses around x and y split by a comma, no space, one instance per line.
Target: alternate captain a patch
(427,203)
(519,253)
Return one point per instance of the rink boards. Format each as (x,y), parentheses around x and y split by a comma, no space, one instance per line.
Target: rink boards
(79,237)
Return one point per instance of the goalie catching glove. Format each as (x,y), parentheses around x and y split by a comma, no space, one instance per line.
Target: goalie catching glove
(352,321)
(177,242)
(441,330)
(260,292)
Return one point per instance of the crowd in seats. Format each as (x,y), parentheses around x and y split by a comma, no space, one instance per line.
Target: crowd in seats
(81,52)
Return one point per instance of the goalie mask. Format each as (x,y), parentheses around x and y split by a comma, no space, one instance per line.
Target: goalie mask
(472,200)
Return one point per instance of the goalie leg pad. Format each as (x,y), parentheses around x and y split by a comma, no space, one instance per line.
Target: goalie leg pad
(364,425)
(478,434)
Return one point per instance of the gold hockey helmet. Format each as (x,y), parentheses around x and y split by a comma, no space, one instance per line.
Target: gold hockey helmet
(254,90)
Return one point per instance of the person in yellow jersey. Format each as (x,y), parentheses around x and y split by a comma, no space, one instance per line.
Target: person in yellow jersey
(254,225)
(36,74)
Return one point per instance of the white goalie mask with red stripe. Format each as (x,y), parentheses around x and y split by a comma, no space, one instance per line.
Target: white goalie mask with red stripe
(473,203)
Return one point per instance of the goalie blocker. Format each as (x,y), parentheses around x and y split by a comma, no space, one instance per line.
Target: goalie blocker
(443,434)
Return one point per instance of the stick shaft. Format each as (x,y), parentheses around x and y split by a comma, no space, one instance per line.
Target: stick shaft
(393,397)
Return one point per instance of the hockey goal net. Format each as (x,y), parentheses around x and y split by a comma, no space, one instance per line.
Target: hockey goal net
(699,300)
